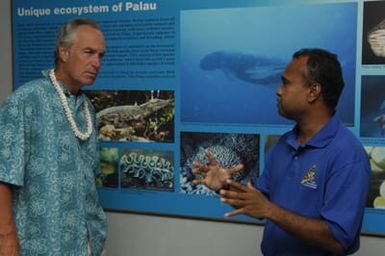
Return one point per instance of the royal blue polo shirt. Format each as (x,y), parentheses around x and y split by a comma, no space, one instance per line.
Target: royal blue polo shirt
(326,178)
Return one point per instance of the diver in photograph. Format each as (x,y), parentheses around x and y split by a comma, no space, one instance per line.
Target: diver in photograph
(313,189)
(49,155)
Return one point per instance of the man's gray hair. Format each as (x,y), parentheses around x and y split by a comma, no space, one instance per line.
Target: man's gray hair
(66,34)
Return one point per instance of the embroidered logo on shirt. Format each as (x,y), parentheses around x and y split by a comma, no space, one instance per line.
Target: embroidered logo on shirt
(309,179)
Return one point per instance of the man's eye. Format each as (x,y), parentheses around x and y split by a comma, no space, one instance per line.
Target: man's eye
(88,51)
(285,82)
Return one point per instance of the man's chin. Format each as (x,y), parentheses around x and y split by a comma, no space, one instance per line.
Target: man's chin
(89,81)
(282,114)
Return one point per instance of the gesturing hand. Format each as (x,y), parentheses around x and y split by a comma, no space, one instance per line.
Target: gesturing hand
(214,174)
(246,199)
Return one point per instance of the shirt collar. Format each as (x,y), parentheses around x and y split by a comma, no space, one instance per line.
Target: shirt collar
(321,139)
(61,84)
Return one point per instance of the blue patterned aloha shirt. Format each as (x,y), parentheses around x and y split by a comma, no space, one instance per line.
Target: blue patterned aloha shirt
(52,173)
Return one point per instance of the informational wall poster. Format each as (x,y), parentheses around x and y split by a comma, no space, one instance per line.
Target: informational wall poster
(182,76)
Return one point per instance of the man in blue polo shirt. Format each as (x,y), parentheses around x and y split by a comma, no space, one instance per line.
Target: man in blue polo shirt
(313,190)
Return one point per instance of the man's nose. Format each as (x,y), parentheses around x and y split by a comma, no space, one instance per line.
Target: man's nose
(96,61)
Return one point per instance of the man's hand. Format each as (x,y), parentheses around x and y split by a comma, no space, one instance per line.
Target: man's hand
(214,174)
(246,199)
(9,245)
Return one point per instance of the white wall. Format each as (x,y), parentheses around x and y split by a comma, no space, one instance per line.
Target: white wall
(5,50)
(143,235)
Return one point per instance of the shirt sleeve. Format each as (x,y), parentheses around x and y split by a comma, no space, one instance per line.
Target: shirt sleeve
(12,141)
(345,199)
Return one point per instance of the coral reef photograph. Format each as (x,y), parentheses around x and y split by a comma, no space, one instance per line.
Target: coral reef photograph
(228,149)
(147,169)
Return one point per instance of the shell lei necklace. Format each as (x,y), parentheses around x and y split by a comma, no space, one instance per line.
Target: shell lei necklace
(67,110)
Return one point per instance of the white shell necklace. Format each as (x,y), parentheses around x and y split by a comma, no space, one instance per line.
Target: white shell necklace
(67,110)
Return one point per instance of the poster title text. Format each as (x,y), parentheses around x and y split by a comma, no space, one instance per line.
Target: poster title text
(88,9)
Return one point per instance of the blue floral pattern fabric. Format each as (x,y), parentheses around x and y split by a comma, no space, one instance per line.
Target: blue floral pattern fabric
(52,173)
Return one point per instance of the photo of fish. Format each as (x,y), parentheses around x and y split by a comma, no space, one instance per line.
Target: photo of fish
(138,116)
(232,59)
(229,149)
(147,169)
(108,176)
(376,194)
(373,41)
(372,107)
(249,68)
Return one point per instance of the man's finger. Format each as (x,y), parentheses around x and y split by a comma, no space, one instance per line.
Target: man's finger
(235,169)
(233,213)
(199,181)
(197,164)
(228,194)
(236,185)
(233,202)
(199,172)
(210,157)
(200,167)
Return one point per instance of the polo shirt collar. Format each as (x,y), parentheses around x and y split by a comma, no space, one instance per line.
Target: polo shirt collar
(321,139)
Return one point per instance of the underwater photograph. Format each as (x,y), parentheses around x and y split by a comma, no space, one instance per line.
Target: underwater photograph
(229,150)
(372,107)
(108,176)
(232,58)
(373,33)
(147,169)
(376,194)
(132,115)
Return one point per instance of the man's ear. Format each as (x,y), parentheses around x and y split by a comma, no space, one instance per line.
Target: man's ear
(63,53)
(314,91)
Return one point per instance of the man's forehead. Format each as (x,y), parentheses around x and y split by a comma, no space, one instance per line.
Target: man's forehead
(89,37)
(297,67)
